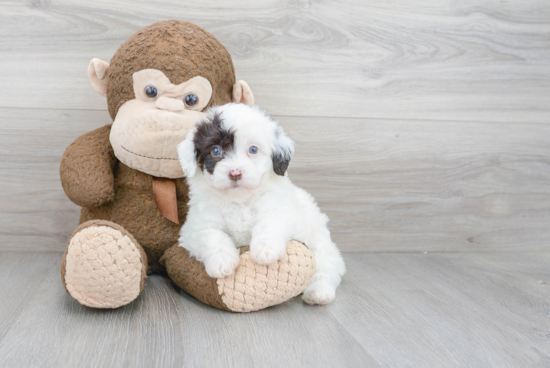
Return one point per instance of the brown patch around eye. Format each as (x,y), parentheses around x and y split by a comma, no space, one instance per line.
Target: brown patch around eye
(210,134)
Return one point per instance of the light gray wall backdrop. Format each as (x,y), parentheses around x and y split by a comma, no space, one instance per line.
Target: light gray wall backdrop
(420,125)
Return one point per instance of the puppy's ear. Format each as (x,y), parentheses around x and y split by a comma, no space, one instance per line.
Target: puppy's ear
(187,154)
(283,151)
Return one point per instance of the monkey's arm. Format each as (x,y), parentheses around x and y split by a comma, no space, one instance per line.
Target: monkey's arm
(87,169)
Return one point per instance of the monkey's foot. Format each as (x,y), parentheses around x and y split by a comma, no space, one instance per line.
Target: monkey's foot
(103,266)
(252,287)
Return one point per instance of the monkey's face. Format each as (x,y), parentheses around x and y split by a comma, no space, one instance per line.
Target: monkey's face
(147,129)
(156,85)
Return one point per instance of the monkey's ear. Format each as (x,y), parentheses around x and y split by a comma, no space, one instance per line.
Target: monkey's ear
(282,152)
(186,154)
(242,93)
(97,72)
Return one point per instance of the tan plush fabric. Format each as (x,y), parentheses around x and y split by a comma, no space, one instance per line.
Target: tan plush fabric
(151,77)
(252,287)
(170,104)
(181,50)
(145,138)
(97,72)
(242,93)
(164,191)
(104,266)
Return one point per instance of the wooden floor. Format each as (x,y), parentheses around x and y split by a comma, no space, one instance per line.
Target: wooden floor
(393,309)
(421,127)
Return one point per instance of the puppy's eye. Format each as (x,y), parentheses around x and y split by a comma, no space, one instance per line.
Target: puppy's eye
(216,151)
(253,150)
(151,92)
(191,100)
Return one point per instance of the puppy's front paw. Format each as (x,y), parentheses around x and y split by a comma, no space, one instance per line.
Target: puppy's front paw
(266,251)
(222,263)
(318,293)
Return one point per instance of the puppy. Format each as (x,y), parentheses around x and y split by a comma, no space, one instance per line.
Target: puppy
(235,162)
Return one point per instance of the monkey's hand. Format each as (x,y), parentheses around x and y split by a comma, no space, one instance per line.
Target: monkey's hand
(87,169)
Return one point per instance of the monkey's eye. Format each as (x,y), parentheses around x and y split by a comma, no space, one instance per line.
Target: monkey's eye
(253,150)
(151,92)
(216,151)
(191,100)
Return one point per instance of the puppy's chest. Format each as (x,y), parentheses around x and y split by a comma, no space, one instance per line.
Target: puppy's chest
(239,219)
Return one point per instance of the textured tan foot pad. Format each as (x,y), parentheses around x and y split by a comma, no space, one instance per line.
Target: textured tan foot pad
(252,287)
(103,266)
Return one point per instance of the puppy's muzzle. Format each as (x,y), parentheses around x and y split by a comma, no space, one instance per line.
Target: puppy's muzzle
(235,175)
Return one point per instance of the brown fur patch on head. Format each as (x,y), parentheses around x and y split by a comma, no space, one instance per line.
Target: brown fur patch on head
(210,134)
(181,50)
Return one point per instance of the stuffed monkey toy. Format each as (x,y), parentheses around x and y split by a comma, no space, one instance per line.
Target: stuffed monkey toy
(128,181)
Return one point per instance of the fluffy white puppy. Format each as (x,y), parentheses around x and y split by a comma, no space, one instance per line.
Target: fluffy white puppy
(235,162)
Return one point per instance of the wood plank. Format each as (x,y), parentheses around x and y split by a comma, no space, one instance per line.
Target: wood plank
(429,310)
(448,310)
(167,328)
(387,185)
(34,211)
(441,60)
(21,274)
(391,185)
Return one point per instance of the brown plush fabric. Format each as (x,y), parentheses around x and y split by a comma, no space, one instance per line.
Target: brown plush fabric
(190,276)
(87,169)
(134,208)
(131,205)
(116,227)
(181,50)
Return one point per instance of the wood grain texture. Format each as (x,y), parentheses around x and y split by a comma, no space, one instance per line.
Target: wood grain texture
(387,185)
(447,310)
(391,185)
(21,275)
(34,211)
(446,60)
(429,310)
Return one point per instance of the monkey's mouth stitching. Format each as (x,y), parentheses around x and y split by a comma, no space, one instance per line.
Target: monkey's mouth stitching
(152,158)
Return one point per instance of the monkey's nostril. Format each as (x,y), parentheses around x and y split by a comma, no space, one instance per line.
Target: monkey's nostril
(235,175)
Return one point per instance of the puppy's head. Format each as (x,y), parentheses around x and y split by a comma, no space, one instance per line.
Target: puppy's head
(236,147)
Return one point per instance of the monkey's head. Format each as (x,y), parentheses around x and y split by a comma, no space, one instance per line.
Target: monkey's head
(157,85)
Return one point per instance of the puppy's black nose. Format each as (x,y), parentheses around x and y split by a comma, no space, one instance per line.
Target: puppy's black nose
(235,175)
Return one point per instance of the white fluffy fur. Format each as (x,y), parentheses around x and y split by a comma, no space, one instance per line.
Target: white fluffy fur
(263,210)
